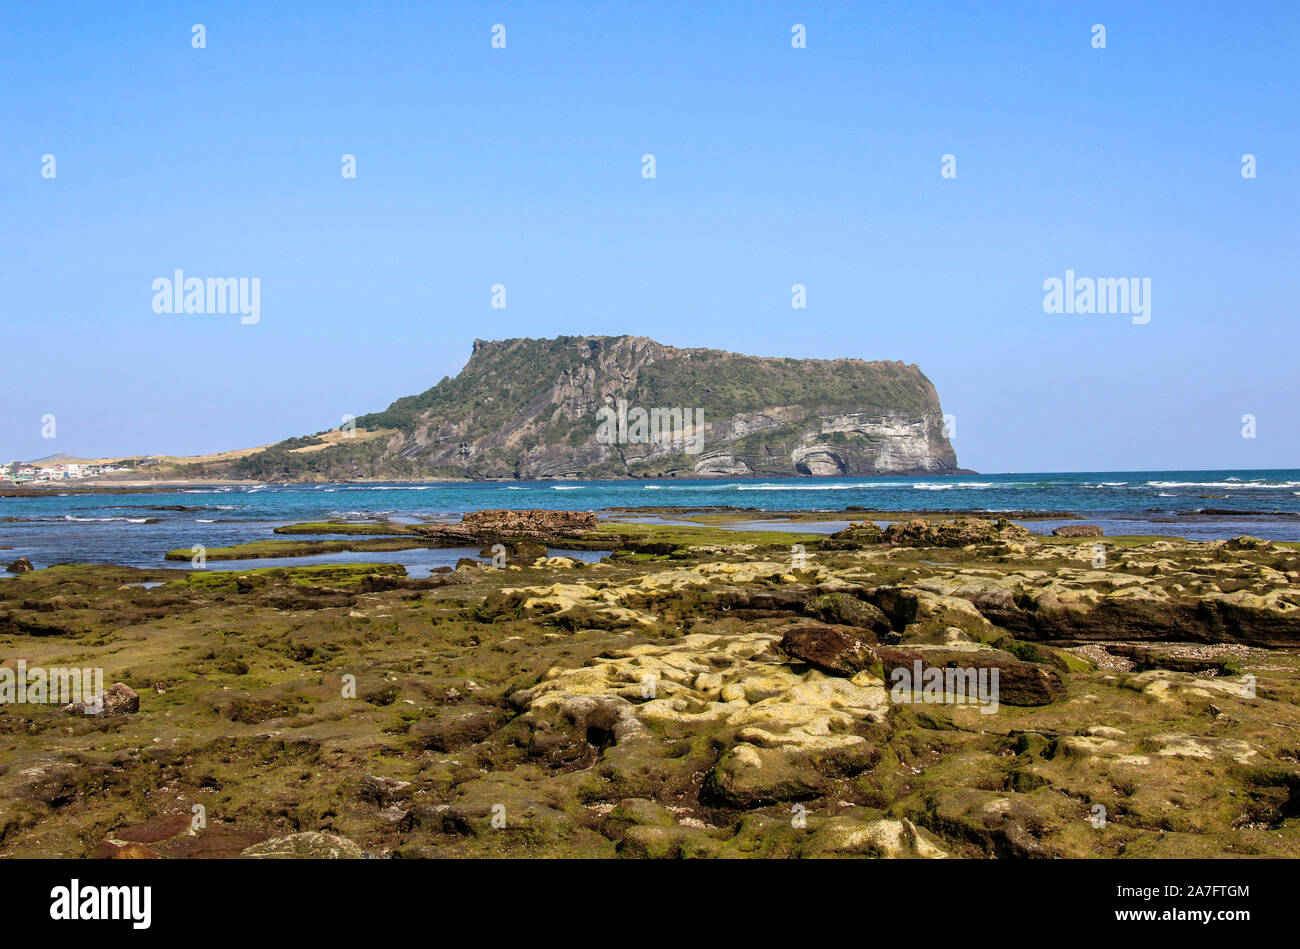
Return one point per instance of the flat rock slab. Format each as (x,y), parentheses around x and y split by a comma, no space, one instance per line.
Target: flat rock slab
(1077,530)
(1019,682)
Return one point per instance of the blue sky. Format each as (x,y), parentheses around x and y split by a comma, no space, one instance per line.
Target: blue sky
(775,166)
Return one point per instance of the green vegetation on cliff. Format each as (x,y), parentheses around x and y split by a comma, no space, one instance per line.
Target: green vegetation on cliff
(527,408)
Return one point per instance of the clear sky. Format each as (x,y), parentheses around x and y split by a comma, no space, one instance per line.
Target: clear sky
(775,166)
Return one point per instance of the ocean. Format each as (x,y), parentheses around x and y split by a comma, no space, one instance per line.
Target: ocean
(136,528)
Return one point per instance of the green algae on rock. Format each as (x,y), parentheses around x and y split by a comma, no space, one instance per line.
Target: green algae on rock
(648,709)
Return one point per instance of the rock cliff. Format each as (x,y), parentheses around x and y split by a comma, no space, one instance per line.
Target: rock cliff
(627,406)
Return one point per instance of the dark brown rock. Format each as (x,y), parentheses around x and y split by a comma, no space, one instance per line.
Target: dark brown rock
(21,565)
(109,850)
(1019,683)
(162,827)
(213,842)
(830,650)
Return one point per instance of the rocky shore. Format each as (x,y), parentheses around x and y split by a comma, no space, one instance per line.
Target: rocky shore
(698,693)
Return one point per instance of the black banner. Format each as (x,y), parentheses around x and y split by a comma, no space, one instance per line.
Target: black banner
(926,899)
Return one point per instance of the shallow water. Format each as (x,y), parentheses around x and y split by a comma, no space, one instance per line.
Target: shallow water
(419,562)
(134,528)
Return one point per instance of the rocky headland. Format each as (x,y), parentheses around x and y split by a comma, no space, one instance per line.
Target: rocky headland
(529,409)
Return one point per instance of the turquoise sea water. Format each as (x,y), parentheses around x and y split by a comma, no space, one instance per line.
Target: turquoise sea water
(136,528)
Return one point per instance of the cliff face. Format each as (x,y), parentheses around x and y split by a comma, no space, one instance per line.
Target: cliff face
(608,407)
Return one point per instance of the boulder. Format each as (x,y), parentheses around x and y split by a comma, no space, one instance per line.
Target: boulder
(118,699)
(955,533)
(845,610)
(21,565)
(831,650)
(121,699)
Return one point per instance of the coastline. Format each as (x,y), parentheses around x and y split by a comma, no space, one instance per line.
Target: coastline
(134,524)
(162,483)
(770,654)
